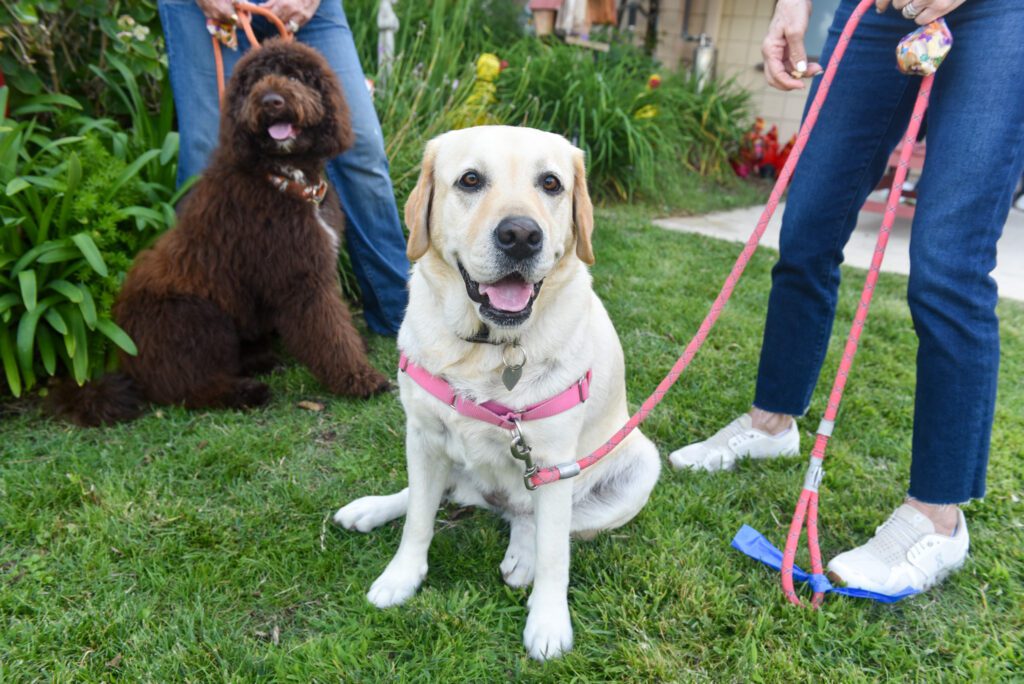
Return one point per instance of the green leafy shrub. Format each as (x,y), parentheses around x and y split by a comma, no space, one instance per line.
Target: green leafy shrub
(592,99)
(75,209)
(48,46)
(631,132)
(430,76)
(704,126)
(470,27)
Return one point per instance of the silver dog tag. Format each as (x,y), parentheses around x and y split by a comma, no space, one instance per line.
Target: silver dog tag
(513,367)
(510,376)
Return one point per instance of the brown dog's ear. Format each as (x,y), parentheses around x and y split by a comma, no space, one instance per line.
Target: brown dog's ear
(343,126)
(417,207)
(337,117)
(582,210)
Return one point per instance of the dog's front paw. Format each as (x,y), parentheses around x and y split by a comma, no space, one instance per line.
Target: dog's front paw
(375,383)
(548,632)
(260,364)
(250,393)
(363,384)
(366,513)
(396,584)
(518,565)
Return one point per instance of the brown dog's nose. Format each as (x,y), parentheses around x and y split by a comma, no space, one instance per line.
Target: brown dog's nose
(519,237)
(272,101)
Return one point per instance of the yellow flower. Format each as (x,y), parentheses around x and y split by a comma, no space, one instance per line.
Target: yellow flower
(646,112)
(488,66)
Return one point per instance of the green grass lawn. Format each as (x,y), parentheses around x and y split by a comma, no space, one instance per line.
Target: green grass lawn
(196,546)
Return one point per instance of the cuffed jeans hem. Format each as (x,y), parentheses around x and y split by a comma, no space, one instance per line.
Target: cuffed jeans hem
(771,407)
(939,498)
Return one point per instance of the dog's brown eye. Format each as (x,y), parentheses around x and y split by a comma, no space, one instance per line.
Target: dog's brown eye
(470,180)
(551,184)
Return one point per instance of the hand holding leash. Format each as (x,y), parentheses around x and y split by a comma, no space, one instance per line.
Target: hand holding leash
(294,13)
(921,11)
(220,11)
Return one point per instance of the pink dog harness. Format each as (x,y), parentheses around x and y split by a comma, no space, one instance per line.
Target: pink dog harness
(491,411)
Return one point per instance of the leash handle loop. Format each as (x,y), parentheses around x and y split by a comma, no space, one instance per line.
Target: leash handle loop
(243,13)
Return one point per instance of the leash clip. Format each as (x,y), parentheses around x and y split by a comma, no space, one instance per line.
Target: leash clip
(521,452)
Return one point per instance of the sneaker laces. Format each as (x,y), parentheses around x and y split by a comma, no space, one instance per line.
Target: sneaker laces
(733,429)
(893,539)
(742,427)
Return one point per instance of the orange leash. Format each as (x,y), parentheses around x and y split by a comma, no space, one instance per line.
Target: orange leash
(243,17)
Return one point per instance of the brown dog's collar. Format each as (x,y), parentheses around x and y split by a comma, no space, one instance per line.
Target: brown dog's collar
(299,188)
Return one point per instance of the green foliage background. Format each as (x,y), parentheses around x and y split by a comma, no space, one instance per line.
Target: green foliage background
(88,81)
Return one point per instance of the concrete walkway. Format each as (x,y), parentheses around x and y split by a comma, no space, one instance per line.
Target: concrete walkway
(737,225)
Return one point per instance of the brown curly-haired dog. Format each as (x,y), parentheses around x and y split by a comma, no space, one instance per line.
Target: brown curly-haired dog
(254,253)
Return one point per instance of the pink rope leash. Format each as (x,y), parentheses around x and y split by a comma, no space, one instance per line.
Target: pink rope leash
(808,502)
(561,471)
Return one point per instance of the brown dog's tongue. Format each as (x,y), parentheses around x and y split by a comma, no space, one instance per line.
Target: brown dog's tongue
(282,131)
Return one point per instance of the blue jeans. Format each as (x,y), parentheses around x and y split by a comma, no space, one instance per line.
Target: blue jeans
(373,232)
(975,156)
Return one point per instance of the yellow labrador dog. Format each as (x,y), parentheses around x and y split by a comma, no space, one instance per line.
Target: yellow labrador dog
(502,314)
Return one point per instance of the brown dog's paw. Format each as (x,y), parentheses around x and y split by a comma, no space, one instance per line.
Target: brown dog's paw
(251,393)
(260,364)
(364,384)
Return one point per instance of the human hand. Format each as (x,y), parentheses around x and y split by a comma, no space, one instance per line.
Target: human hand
(785,59)
(219,10)
(294,13)
(928,10)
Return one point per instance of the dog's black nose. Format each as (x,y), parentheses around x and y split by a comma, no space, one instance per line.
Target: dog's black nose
(272,100)
(519,237)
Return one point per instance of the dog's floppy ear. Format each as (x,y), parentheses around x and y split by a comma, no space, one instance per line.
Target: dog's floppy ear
(334,131)
(582,210)
(417,207)
(337,120)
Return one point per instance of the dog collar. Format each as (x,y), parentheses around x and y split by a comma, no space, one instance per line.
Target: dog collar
(482,336)
(299,188)
(491,411)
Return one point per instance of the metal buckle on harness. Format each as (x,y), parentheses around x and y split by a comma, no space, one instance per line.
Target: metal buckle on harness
(521,452)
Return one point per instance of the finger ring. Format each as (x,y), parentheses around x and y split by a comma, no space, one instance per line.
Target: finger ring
(293,25)
(910,12)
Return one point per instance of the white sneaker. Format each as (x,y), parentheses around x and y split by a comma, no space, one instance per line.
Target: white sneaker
(736,440)
(905,553)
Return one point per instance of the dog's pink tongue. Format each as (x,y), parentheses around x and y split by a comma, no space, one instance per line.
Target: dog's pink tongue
(282,131)
(508,294)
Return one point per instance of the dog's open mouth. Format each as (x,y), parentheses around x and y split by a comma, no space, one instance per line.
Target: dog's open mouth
(508,301)
(283,131)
